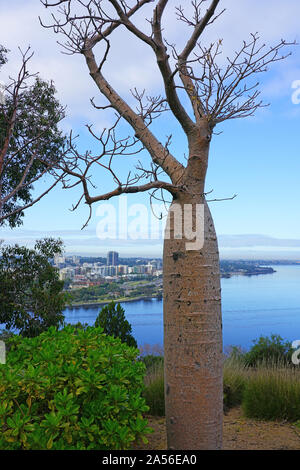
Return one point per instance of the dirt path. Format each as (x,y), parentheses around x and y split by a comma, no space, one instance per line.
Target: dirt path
(239,434)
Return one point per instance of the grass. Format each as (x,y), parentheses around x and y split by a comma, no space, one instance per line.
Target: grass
(235,377)
(273,393)
(154,381)
(267,392)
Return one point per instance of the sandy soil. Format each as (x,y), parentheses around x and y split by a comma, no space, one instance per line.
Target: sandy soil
(240,433)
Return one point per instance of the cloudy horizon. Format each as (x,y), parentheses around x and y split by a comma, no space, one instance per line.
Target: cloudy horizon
(86,243)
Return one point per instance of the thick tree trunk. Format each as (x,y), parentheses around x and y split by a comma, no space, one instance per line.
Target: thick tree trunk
(193,339)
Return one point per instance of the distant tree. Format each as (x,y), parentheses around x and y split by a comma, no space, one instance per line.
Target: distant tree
(31,143)
(31,294)
(3,52)
(112,319)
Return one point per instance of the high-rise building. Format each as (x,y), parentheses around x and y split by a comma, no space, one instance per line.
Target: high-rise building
(58,260)
(122,269)
(112,258)
(111,271)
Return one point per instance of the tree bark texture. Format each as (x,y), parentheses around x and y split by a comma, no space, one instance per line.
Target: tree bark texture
(193,338)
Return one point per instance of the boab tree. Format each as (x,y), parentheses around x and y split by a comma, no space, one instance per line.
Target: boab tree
(31,142)
(216,90)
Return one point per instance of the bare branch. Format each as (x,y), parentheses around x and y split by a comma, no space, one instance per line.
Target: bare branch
(199,24)
(162,57)
(198,30)
(223,199)
(226,92)
(33,202)
(166,72)
(134,189)
(124,20)
(77,168)
(169,164)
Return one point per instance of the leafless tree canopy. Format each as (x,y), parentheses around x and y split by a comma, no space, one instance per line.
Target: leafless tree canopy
(215,92)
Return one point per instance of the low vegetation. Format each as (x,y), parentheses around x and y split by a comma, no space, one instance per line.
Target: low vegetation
(76,388)
(262,380)
(154,384)
(89,387)
(273,393)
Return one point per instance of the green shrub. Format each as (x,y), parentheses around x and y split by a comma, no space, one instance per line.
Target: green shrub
(71,389)
(112,319)
(269,350)
(273,393)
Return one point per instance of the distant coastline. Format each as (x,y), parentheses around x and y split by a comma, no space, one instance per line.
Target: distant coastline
(255,272)
(258,270)
(107,301)
(252,306)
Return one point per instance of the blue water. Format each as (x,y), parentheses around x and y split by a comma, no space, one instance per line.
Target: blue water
(252,306)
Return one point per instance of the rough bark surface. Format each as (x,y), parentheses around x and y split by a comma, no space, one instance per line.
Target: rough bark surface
(193,339)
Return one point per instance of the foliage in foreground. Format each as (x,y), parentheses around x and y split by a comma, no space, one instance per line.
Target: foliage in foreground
(71,389)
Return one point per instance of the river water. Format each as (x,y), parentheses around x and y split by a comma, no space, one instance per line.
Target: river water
(251,306)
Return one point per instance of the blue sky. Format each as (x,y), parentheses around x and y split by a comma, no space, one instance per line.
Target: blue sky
(256,158)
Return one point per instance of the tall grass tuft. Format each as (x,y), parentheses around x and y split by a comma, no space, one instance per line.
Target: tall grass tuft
(154,387)
(234,382)
(272,393)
